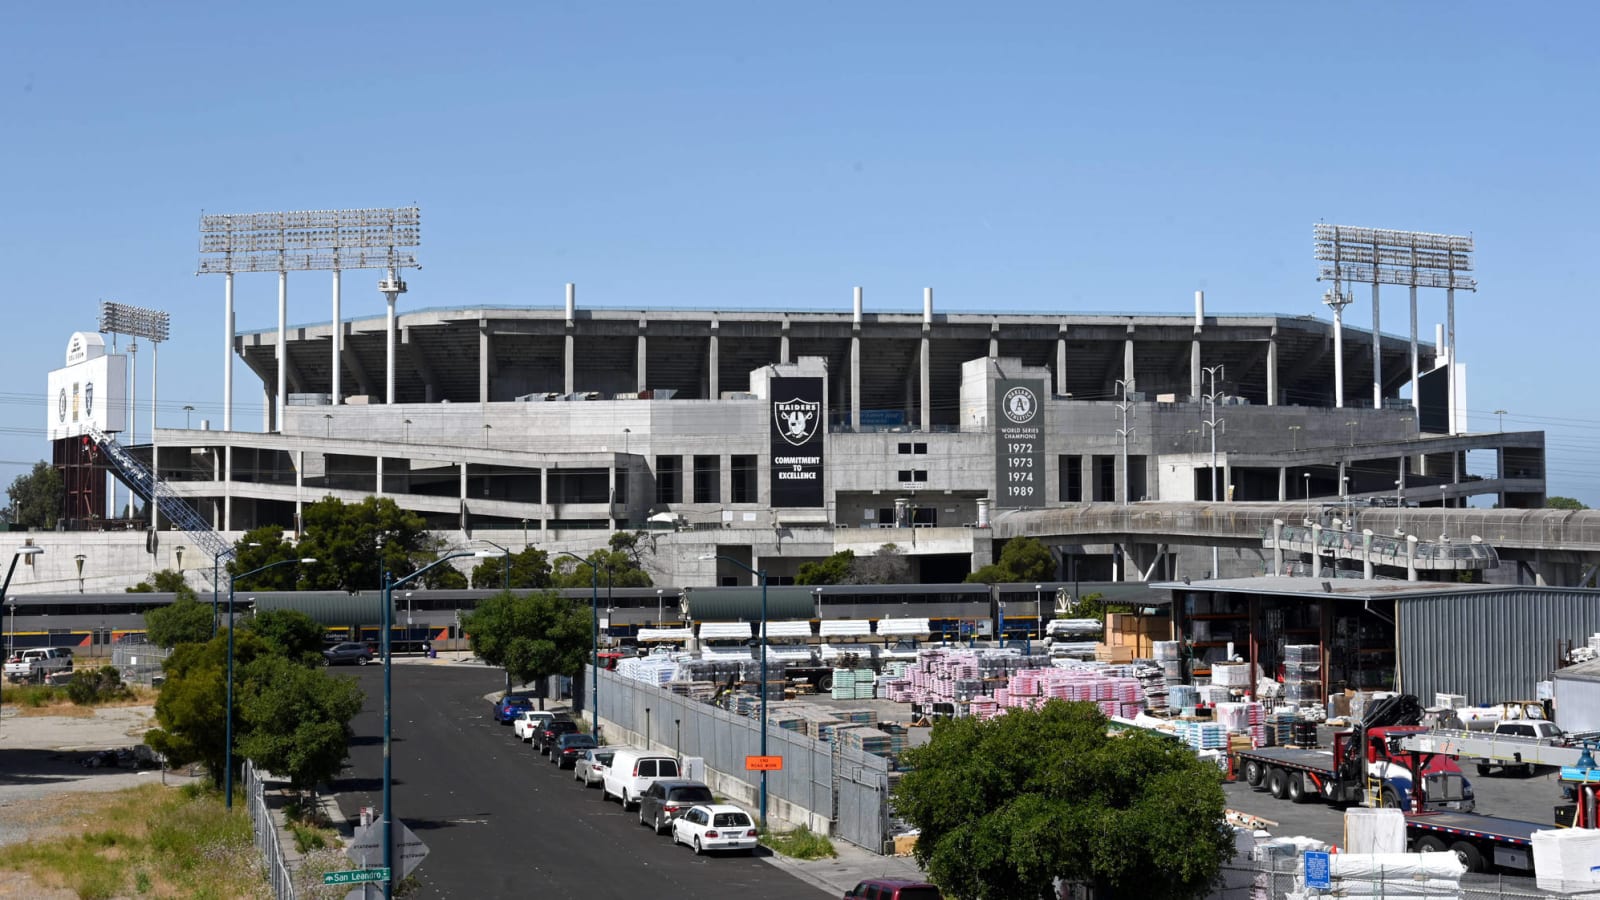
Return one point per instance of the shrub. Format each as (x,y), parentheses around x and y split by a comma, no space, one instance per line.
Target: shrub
(97,686)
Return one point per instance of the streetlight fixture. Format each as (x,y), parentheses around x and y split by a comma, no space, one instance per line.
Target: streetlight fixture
(1500,416)
(227,769)
(187,409)
(594,665)
(1294,437)
(388,695)
(5,588)
(503,552)
(761,574)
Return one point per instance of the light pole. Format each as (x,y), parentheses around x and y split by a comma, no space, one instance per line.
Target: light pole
(1213,422)
(227,768)
(678,724)
(503,552)
(660,607)
(5,588)
(1038,613)
(186,411)
(594,665)
(1294,437)
(762,574)
(1500,415)
(1399,492)
(388,695)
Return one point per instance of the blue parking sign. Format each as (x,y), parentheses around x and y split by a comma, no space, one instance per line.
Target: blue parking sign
(1318,869)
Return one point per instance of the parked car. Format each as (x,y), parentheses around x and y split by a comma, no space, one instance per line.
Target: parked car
(568,747)
(716,827)
(666,798)
(347,652)
(893,889)
(544,740)
(530,722)
(590,767)
(507,708)
(631,773)
(38,663)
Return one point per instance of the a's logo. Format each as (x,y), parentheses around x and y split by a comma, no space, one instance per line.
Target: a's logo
(61,406)
(797,419)
(1019,405)
(88,400)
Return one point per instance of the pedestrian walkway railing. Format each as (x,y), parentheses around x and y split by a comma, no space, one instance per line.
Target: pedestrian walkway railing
(266,833)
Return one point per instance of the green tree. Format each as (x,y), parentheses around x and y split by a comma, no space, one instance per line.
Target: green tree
(444,578)
(166,581)
(191,711)
(619,566)
(1021,559)
(183,621)
(531,636)
(833,570)
(530,569)
(886,565)
(355,543)
(296,720)
(260,547)
(289,633)
(1563,503)
(38,497)
(1009,804)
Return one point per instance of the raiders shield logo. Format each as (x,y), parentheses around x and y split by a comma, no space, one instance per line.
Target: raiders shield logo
(797,419)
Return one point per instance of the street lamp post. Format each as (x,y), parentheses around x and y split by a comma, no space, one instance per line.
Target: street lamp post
(761,574)
(505,553)
(227,768)
(388,695)
(594,665)
(6,588)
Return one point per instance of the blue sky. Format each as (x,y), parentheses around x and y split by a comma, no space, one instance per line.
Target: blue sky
(1025,156)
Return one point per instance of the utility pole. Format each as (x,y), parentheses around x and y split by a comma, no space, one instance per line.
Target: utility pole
(1213,422)
(1124,386)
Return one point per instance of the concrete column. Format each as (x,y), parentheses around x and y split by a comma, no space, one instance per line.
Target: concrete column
(462,468)
(299,488)
(783,342)
(1272,368)
(571,340)
(642,358)
(1127,358)
(926,367)
(994,340)
(483,360)
(378,469)
(1061,361)
(1194,367)
(855,365)
(227,489)
(1283,484)
(1377,353)
(1277,546)
(1411,557)
(714,375)
(1366,553)
(269,410)
(1227,481)
(611,492)
(544,498)
(338,335)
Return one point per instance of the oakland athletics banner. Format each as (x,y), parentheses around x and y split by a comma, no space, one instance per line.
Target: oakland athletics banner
(1019,443)
(797,433)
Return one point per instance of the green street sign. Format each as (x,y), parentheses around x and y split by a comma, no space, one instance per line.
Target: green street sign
(355,876)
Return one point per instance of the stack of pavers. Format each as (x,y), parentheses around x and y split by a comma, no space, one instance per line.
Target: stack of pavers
(1302,673)
(1153,683)
(848,684)
(700,691)
(654,670)
(864,738)
(1202,735)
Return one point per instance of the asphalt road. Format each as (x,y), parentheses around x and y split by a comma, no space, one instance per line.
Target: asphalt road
(500,821)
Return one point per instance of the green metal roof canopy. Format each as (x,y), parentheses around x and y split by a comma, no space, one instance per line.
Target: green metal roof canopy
(326,608)
(744,604)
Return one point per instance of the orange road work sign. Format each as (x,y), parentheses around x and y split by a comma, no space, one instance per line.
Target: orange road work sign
(763,763)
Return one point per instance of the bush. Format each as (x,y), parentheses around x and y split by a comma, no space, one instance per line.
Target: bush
(99,686)
(801,843)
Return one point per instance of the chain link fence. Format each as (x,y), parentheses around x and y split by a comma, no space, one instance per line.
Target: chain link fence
(139,662)
(266,832)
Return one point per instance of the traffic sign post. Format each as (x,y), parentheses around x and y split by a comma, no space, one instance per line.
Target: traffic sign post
(366,847)
(763,763)
(355,876)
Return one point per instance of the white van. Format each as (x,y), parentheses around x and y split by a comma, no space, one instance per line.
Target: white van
(632,771)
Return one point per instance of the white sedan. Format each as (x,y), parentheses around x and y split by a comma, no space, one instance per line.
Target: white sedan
(715,827)
(591,766)
(530,721)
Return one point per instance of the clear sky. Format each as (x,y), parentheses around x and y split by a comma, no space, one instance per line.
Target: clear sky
(1030,157)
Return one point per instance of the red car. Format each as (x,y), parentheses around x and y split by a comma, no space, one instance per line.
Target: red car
(893,889)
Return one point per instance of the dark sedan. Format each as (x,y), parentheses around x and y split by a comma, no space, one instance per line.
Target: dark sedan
(544,739)
(569,747)
(347,652)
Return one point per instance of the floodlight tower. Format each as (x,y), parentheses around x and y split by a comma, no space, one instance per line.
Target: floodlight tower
(1411,258)
(1337,302)
(392,287)
(303,241)
(154,326)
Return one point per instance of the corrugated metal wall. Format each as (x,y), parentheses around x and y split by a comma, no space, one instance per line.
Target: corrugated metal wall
(1489,645)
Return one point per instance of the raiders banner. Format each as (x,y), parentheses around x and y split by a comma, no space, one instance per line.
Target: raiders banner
(797,433)
(1019,443)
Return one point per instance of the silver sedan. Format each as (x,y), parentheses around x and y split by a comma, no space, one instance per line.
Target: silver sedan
(591,766)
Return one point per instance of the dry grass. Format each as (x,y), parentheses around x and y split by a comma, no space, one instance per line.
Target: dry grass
(147,841)
(49,700)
